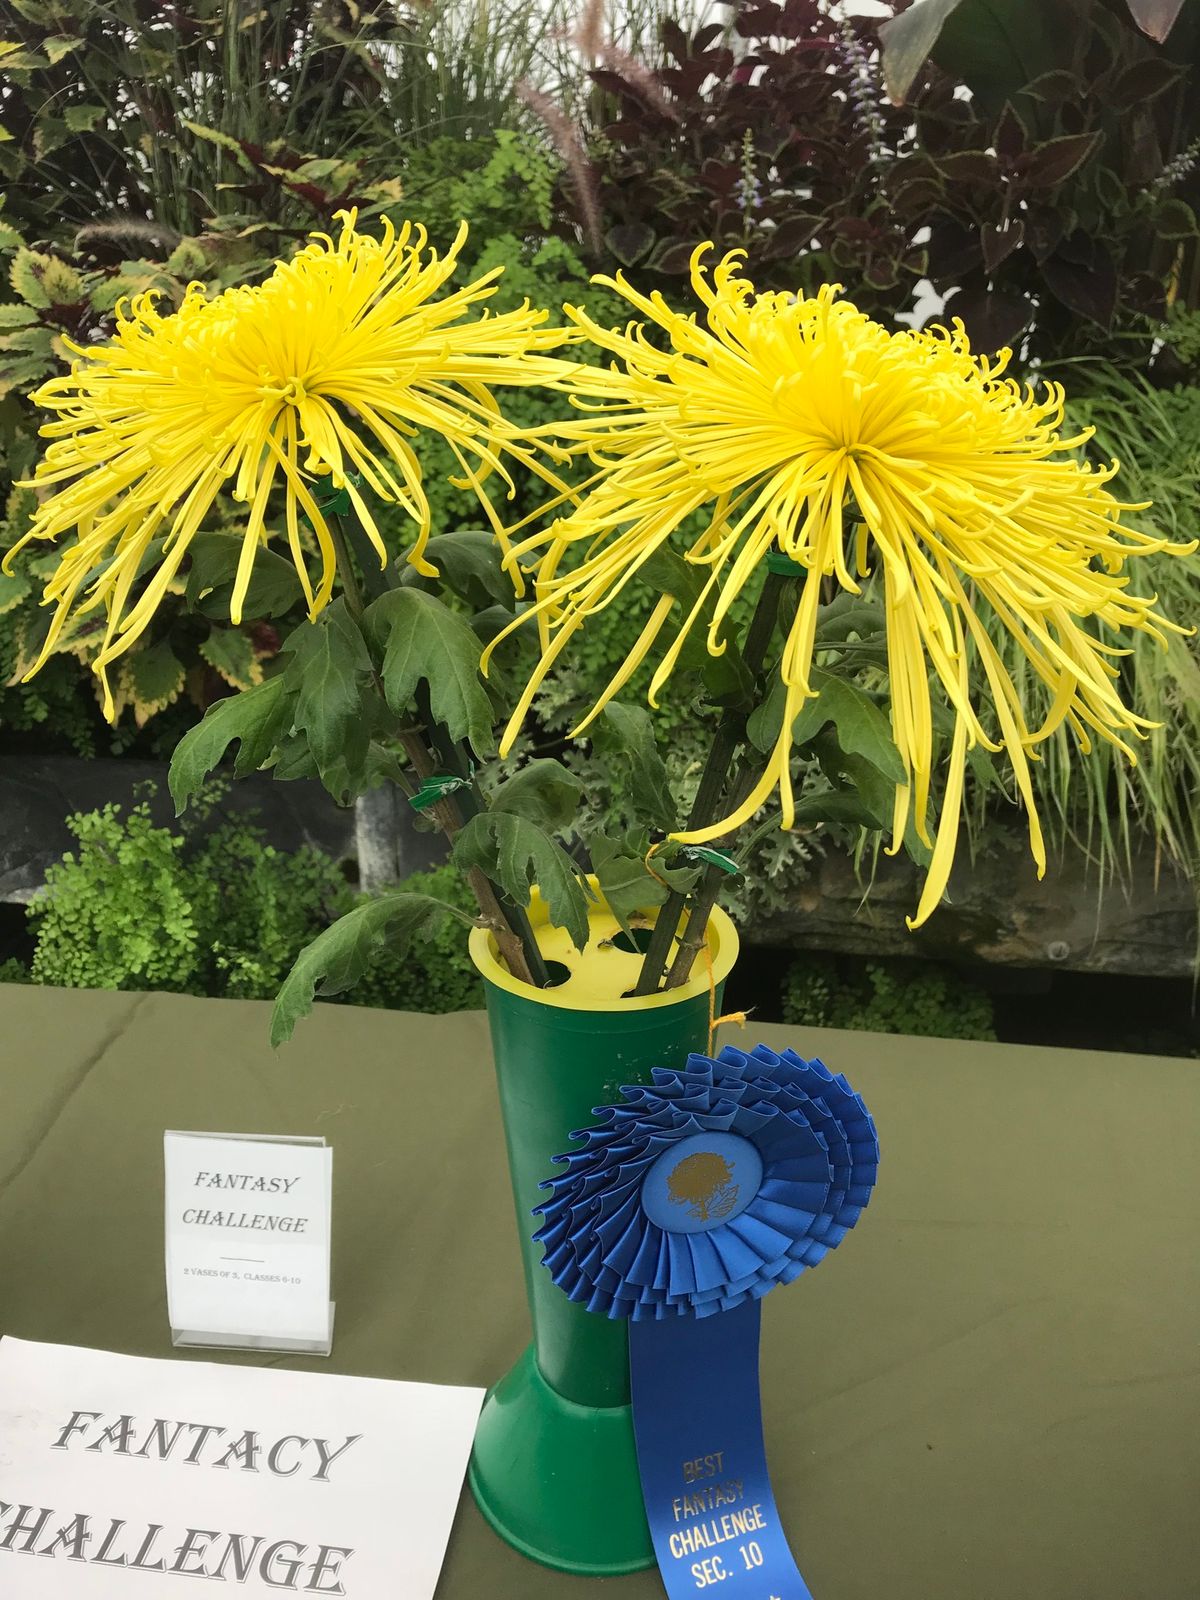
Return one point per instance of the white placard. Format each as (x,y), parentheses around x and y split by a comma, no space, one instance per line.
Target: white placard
(123,1478)
(248,1228)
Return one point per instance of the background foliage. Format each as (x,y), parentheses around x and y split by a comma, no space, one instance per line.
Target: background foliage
(1040,177)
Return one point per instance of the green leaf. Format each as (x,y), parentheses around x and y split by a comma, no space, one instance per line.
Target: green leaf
(876,792)
(23,373)
(26,279)
(1175,219)
(544,791)
(834,805)
(258,718)
(469,562)
(17,316)
(151,679)
(327,671)
(626,735)
(993,46)
(420,640)
(226,141)
(230,652)
(45,281)
(765,721)
(13,590)
(907,41)
(847,614)
(862,728)
(59,45)
(724,675)
(337,958)
(82,119)
(187,260)
(515,854)
(274,587)
(625,881)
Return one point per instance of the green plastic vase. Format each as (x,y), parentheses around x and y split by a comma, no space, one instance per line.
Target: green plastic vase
(554,1469)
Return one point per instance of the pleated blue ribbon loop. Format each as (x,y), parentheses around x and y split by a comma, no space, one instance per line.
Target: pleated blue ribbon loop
(697,1195)
(630,1233)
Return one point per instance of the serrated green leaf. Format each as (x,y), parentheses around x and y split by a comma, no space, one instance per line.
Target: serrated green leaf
(45,281)
(274,587)
(59,45)
(230,652)
(256,719)
(626,883)
(626,734)
(50,133)
(151,679)
(862,728)
(418,639)
(23,374)
(83,118)
(544,791)
(26,279)
(337,958)
(225,140)
(13,590)
(17,316)
(515,854)
(468,560)
(34,341)
(327,674)
(10,239)
(293,760)
(187,260)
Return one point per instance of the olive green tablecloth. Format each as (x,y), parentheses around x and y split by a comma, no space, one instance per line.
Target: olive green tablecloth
(989,1393)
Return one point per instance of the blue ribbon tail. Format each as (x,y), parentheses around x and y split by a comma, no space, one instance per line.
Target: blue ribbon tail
(697,1419)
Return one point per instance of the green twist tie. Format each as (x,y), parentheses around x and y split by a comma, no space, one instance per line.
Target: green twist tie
(438,786)
(784,565)
(712,858)
(337,501)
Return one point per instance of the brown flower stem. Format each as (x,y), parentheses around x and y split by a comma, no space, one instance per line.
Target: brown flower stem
(449,819)
(508,921)
(708,804)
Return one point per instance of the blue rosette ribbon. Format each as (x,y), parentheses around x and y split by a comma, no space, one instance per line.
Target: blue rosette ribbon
(682,1207)
(641,1225)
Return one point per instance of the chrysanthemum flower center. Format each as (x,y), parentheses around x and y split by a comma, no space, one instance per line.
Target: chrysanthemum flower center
(288,391)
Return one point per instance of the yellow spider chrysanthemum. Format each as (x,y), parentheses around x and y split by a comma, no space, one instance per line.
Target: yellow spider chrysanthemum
(325,371)
(788,418)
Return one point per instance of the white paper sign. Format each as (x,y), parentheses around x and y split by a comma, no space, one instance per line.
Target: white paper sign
(122,1479)
(248,1225)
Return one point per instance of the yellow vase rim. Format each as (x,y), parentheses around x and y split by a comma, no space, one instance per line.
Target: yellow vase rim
(723,945)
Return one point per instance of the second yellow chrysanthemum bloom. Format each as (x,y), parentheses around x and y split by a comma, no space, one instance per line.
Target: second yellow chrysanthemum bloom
(798,425)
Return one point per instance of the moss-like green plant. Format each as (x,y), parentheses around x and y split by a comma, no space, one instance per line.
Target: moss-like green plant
(224,913)
(886,997)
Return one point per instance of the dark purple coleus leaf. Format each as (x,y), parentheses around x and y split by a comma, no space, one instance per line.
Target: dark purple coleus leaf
(993,318)
(1089,291)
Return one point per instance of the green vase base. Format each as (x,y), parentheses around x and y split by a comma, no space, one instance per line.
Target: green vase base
(559,1481)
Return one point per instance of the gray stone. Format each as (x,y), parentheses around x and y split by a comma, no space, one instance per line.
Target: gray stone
(38,793)
(998,912)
